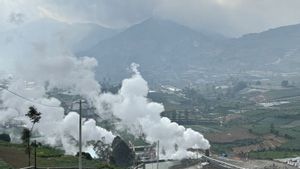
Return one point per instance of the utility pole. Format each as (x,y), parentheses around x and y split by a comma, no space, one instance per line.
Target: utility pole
(35,145)
(157,160)
(80,136)
(80,132)
(29,150)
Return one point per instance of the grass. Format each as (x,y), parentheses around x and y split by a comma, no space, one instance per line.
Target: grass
(42,151)
(294,133)
(49,152)
(7,144)
(227,147)
(221,148)
(4,165)
(203,129)
(46,157)
(65,161)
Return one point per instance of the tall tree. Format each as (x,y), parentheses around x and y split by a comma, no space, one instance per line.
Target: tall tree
(26,140)
(34,117)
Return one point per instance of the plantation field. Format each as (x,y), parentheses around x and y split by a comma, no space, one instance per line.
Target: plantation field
(265,132)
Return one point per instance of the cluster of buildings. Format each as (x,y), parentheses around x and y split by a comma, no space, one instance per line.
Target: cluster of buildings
(291,161)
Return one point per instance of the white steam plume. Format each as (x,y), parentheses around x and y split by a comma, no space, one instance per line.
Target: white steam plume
(62,72)
(134,109)
(130,105)
(41,66)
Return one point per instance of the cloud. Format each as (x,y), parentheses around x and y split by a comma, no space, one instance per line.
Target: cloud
(111,13)
(17,10)
(229,17)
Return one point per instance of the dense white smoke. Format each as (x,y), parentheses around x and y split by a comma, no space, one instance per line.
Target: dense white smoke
(56,129)
(132,106)
(41,66)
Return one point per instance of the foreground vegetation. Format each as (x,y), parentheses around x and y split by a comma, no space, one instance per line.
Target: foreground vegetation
(46,157)
(4,165)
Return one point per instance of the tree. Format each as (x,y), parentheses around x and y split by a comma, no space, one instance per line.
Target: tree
(85,155)
(240,86)
(26,140)
(237,87)
(102,149)
(25,135)
(34,117)
(5,137)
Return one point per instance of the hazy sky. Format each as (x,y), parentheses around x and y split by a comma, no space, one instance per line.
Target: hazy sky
(229,17)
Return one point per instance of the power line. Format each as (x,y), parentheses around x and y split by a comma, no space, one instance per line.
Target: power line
(27,99)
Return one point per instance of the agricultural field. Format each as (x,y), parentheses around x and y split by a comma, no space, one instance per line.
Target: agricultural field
(264,124)
(274,154)
(256,122)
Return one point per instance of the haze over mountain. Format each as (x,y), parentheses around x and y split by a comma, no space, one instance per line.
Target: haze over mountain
(48,30)
(169,52)
(276,50)
(163,49)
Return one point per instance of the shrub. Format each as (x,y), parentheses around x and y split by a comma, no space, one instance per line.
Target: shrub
(5,137)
